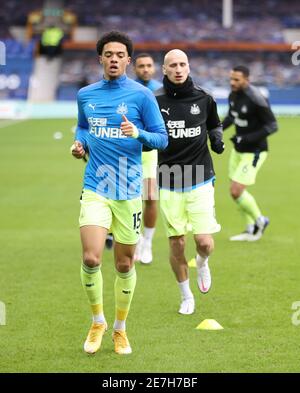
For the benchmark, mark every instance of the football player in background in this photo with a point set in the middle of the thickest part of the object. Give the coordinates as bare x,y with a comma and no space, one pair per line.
254,121
186,173
144,69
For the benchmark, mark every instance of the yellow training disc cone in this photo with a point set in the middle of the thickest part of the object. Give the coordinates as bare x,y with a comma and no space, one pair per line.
192,263
209,324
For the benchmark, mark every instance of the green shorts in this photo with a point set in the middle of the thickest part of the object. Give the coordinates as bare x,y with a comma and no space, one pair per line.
149,163
196,207
243,167
122,218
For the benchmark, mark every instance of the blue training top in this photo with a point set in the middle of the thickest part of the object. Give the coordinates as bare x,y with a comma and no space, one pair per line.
114,167
152,84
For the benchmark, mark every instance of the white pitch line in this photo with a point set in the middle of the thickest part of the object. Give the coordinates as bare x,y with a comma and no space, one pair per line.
8,123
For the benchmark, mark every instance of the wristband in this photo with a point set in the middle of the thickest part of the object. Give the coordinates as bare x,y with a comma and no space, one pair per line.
135,133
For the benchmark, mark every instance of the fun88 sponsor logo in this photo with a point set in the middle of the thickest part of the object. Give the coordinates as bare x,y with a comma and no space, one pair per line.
97,121
98,127
177,129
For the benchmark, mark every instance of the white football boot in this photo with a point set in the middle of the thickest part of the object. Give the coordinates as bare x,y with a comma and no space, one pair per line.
252,234
187,306
260,226
245,236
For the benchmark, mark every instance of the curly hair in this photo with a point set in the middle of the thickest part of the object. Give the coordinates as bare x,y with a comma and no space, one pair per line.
115,36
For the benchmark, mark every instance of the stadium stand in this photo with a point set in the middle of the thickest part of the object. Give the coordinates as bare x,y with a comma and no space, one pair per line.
157,27
14,76
210,69
194,20
15,13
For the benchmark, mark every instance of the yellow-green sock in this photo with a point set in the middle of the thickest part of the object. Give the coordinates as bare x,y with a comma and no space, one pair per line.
248,205
124,289
248,219
92,282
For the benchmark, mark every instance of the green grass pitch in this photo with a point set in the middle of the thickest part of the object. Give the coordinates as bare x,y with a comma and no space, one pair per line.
47,315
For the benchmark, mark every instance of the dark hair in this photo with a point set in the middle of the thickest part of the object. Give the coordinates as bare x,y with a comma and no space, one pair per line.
243,69
140,55
115,36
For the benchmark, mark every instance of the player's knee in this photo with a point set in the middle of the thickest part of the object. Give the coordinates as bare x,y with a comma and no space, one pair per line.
124,265
177,245
90,259
205,245
235,191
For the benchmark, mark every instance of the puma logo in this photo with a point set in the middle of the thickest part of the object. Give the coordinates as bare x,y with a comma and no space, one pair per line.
166,111
93,106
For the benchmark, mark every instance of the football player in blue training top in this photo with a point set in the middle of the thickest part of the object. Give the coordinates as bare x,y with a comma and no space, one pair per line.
116,117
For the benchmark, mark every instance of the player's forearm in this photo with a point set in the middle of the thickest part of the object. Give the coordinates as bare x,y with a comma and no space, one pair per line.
216,133
267,119
154,140
81,135
271,127
216,139
256,136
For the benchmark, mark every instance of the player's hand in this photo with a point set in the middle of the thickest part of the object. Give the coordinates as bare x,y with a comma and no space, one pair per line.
77,150
217,145
128,128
